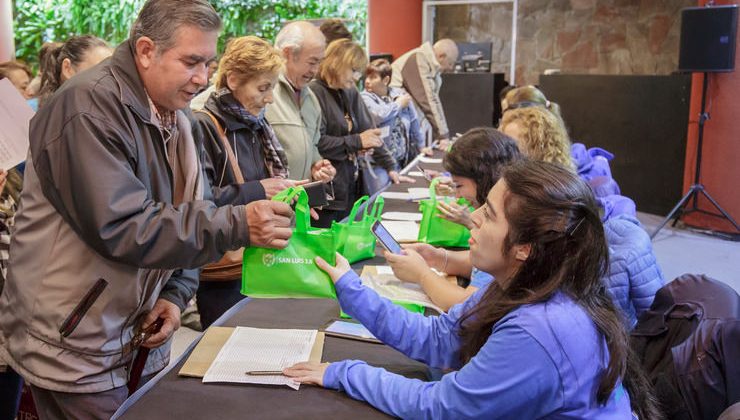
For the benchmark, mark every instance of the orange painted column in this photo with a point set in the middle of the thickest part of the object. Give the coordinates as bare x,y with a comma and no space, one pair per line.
720,166
394,26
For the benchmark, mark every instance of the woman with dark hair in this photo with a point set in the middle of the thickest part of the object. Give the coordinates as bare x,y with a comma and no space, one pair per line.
475,162
543,341
66,59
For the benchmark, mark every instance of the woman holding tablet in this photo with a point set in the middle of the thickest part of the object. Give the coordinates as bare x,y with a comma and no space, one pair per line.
475,162
542,341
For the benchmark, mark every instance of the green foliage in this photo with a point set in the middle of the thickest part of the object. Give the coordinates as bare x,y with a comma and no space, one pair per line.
39,21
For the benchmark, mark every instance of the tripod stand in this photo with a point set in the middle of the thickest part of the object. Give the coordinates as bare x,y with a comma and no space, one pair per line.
697,188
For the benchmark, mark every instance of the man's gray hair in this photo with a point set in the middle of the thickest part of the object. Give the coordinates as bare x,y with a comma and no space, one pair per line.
291,36
159,19
295,34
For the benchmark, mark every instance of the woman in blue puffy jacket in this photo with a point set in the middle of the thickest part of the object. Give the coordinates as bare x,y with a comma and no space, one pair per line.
533,344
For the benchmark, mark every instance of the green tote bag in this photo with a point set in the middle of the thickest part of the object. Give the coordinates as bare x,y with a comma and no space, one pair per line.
291,272
435,230
354,239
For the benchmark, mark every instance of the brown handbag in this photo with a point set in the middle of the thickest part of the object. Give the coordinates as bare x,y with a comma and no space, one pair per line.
229,267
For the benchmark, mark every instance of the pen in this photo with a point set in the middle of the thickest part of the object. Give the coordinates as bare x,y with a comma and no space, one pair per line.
264,372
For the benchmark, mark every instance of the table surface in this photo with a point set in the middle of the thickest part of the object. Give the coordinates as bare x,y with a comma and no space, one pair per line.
172,396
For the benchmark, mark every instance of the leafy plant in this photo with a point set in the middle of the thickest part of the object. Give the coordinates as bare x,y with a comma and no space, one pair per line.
39,21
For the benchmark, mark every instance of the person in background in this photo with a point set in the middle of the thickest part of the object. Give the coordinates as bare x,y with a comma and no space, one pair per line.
76,54
634,275
539,133
592,164
391,110
475,162
334,29
116,201
542,341
35,85
347,130
295,114
235,114
419,72
19,75
10,382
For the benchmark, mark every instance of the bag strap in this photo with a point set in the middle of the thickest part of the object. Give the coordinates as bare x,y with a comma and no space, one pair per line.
376,210
227,147
433,189
356,208
302,211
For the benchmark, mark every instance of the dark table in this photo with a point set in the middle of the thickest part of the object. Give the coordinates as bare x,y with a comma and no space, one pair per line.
188,398
171,396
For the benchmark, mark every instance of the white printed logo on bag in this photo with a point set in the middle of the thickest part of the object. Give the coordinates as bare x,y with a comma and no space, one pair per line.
270,259
364,245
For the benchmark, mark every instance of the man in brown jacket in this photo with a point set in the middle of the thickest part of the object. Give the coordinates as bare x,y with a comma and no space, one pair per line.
419,71
114,216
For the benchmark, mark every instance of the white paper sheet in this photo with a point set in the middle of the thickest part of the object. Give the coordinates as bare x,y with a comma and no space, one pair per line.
392,288
392,195
418,174
417,193
251,349
402,231
402,216
426,159
15,115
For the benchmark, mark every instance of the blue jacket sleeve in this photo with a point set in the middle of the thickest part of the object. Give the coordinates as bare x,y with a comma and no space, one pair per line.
512,376
382,113
432,340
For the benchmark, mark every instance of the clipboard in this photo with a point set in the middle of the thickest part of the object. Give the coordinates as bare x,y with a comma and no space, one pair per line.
213,340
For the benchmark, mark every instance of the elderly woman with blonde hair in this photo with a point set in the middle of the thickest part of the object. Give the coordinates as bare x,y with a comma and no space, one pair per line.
539,133
244,160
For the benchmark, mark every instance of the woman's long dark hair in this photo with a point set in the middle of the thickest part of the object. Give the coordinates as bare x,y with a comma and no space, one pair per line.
74,49
552,209
480,154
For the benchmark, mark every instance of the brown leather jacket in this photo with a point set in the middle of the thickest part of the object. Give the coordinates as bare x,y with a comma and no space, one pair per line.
99,203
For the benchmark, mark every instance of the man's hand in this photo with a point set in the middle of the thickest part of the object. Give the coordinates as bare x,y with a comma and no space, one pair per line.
269,223
170,313
273,186
371,138
323,171
307,372
397,179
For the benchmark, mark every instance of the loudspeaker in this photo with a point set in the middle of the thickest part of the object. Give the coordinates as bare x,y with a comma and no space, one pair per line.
708,39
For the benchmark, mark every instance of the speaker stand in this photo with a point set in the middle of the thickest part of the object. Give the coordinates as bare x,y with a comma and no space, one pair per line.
697,188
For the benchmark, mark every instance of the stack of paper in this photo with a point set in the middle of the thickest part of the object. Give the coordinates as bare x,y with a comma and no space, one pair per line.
394,195
402,216
255,349
15,115
426,159
402,231
390,287
418,193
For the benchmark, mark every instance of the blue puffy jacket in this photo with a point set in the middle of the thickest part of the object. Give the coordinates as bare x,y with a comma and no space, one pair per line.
634,275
